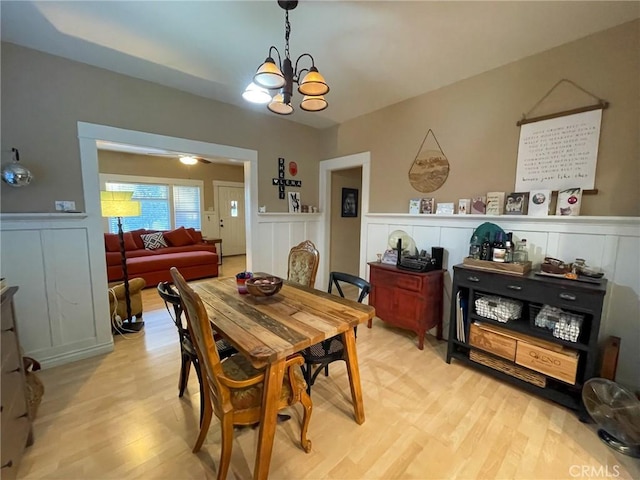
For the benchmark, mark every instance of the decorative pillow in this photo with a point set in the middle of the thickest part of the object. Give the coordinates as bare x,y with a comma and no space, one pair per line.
178,237
112,242
136,236
195,234
153,241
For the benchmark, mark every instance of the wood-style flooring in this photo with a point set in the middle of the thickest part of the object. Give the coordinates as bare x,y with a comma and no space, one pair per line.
118,416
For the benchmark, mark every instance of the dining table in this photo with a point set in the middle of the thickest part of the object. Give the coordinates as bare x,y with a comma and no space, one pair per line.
267,330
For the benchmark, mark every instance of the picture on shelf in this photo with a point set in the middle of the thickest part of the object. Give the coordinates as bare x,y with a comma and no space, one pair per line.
569,201
517,203
294,202
414,206
539,203
495,203
479,205
464,206
349,202
427,205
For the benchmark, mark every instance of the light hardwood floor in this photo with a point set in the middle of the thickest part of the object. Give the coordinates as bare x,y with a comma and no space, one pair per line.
119,416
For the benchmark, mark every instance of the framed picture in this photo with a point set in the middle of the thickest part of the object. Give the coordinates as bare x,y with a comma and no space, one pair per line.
294,202
349,202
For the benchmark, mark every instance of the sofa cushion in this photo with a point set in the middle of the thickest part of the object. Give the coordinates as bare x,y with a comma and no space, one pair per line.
112,242
195,234
138,239
140,265
153,241
178,237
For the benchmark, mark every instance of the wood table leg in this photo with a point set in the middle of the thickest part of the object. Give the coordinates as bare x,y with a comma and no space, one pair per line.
268,419
349,340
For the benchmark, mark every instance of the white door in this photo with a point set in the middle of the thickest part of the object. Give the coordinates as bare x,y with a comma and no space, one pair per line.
232,227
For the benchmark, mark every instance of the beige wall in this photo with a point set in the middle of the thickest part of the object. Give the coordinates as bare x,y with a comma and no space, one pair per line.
44,96
475,123
345,231
170,167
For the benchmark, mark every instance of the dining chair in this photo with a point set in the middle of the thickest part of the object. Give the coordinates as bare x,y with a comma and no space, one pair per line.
188,353
318,357
303,264
234,388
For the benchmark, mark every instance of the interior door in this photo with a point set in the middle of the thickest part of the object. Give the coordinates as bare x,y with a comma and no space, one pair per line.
232,225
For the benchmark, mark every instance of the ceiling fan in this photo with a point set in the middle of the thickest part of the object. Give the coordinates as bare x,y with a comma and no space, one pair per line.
185,158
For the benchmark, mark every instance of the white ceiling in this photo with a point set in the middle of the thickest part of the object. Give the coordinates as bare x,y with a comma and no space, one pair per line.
372,53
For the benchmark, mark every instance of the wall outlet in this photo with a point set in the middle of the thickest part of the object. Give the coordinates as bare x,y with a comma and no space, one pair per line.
65,205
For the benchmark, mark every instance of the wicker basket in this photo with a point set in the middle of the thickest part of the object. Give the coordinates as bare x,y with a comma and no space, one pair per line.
498,308
508,368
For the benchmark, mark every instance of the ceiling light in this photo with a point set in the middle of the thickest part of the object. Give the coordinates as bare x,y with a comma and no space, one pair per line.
188,160
282,75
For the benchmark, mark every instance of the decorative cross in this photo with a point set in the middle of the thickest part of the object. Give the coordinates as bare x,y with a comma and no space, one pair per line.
282,182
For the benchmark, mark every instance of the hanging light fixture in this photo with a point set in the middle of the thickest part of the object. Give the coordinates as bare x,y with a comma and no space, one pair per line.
188,160
282,76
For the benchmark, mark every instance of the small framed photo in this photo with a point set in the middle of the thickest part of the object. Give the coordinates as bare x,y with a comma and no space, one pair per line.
295,205
349,202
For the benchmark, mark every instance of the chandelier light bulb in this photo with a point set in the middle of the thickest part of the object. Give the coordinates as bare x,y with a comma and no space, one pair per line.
256,94
313,103
188,160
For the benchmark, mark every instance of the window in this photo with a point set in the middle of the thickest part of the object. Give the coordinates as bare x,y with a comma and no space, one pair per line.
164,203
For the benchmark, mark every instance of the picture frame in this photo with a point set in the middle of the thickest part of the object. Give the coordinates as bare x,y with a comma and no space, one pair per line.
349,202
295,204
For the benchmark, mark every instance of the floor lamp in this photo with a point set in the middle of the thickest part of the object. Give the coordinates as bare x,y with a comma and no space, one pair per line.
119,204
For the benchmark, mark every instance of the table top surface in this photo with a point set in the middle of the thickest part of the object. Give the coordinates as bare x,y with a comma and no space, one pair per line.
268,329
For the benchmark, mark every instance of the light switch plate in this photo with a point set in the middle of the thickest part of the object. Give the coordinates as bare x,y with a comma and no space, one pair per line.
65,205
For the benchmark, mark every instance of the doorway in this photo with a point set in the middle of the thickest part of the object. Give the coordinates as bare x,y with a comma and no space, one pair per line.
229,198
344,246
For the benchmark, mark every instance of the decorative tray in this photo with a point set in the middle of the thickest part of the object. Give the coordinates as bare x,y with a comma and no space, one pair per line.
581,278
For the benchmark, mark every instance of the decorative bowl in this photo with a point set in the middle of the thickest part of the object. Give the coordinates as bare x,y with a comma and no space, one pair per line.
264,286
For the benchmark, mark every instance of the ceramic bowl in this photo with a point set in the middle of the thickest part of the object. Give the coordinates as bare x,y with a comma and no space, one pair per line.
263,286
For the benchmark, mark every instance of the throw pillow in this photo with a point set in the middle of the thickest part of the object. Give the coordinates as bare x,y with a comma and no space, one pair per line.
153,241
111,242
178,237
195,234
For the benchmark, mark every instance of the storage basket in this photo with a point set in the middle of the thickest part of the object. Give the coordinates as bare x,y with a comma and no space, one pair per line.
564,325
498,308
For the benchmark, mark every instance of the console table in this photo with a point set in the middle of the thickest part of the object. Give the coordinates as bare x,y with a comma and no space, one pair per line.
406,299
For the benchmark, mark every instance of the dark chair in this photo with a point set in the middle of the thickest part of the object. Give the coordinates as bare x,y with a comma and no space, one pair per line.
322,354
187,351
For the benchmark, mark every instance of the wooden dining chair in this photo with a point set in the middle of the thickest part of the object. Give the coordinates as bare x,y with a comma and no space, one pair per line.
188,355
303,264
318,357
233,388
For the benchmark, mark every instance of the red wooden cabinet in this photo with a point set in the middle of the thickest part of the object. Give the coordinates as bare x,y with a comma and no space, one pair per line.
406,299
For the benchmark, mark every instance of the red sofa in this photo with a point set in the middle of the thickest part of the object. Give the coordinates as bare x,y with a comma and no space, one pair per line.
185,250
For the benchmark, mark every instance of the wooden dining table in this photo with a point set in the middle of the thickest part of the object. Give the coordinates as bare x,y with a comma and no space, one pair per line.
267,330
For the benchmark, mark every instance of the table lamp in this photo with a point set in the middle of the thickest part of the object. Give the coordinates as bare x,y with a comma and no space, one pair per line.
119,204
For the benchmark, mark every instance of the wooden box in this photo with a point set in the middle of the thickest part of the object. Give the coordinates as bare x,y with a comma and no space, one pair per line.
562,364
512,268
492,341
508,368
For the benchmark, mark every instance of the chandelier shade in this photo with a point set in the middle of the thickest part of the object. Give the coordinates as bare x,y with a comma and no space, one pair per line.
280,76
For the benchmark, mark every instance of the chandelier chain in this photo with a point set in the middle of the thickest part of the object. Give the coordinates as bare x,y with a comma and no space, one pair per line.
287,31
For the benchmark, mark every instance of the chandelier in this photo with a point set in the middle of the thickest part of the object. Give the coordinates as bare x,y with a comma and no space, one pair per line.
279,78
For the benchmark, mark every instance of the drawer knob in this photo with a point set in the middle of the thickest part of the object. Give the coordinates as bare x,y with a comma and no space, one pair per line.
568,296
8,464
473,279
514,287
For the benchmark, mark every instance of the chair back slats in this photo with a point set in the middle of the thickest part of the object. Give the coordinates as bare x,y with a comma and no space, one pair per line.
202,336
303,264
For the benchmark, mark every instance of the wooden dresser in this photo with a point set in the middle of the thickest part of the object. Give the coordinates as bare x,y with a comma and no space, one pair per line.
17,432
406,299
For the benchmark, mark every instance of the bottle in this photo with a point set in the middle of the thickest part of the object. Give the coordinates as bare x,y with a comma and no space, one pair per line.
475,247
485,249
521,253
508,245
498,250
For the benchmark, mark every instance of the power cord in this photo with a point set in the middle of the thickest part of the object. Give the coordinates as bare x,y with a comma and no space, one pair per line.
116,320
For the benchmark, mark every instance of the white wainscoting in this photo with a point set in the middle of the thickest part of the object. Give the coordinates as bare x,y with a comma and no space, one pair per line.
611,243
277,233
61,309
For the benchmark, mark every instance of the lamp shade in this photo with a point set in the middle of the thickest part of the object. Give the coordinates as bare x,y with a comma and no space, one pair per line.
269,75
313,103
256,94
313,83
119,204
278,106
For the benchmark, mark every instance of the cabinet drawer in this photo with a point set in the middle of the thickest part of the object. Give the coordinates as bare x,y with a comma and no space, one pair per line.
561,365
570,299
398,280
493,342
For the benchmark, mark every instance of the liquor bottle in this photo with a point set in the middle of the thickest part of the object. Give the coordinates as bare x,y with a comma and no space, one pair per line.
521,253
475,247
498,250
485,250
